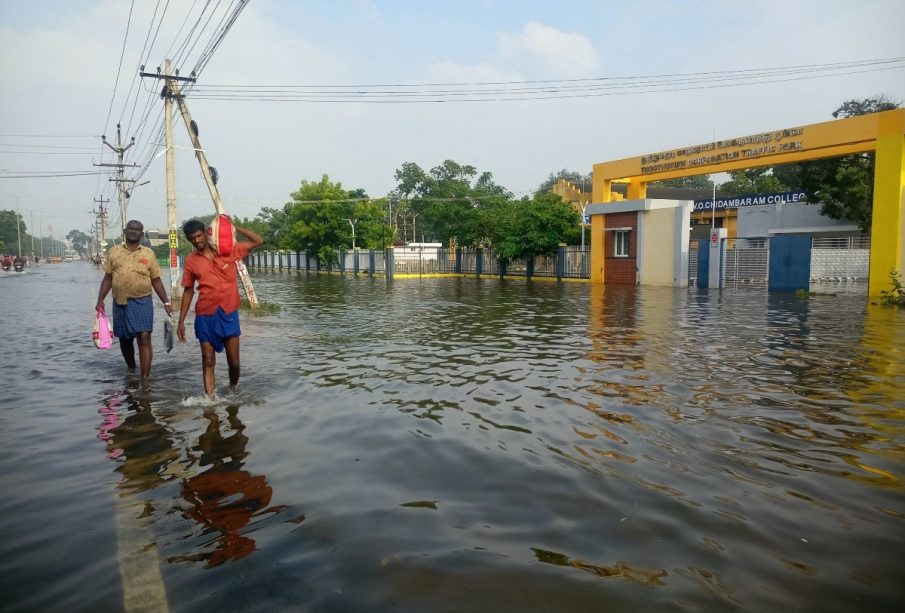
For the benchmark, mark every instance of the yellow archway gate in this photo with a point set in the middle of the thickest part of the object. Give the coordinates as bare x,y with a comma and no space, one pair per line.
883,133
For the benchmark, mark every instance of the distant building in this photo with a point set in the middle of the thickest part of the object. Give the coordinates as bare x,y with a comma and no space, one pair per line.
773,219
417,251
157,237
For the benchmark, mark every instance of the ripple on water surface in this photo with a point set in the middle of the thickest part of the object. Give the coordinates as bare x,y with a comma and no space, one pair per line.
455,444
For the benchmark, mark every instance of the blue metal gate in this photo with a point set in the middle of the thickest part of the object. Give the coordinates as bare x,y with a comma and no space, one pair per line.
703,263
790,263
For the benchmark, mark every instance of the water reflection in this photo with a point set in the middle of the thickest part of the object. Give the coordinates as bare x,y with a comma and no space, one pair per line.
142,446
223,499
216,491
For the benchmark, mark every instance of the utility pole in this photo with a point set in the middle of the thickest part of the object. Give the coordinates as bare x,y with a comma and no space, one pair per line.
172,91
32,235
120,179
101,213
390,222
19,225
170,87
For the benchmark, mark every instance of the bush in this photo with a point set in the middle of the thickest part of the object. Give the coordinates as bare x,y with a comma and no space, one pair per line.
896,295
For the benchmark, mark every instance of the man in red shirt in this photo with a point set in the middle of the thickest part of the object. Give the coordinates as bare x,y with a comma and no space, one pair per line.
217,310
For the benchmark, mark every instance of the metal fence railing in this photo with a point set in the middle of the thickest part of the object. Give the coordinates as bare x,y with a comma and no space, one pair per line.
746,262
693,264
571,262
842,258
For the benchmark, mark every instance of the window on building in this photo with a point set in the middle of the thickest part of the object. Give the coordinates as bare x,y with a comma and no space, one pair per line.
621,238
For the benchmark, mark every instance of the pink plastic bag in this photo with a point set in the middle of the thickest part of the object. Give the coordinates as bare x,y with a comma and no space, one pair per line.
103,331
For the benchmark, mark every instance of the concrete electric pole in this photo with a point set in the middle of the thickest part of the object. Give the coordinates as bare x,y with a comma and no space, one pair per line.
120,178
101,214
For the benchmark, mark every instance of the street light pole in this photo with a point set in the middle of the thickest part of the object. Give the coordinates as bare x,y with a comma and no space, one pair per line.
19,224
352,223
32,234
713,202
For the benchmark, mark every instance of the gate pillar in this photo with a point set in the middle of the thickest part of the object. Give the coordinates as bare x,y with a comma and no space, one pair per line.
887,233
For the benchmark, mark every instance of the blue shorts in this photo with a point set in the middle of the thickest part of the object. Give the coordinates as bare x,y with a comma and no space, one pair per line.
215,328
132,318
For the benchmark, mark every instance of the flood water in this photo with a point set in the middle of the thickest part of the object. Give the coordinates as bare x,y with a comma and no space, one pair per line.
458,445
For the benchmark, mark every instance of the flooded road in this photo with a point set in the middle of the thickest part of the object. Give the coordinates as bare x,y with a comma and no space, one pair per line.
458,445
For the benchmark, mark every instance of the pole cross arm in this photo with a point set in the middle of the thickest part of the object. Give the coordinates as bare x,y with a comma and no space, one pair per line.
166,76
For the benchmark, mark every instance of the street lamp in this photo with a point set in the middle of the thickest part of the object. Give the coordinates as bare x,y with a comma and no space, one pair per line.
129,191
352,223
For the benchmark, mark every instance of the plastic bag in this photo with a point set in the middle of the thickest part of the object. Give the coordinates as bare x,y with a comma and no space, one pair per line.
103,331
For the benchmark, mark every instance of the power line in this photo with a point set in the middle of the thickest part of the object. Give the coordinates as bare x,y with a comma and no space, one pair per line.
45,146
540,96
119,67
91,136
182,47
135,80
528,90
47,152
154,40
314,90
50,175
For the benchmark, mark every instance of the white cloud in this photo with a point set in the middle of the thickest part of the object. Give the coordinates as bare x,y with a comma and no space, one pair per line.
550,51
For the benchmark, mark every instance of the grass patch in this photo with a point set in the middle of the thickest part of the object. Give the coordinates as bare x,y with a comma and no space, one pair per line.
263,308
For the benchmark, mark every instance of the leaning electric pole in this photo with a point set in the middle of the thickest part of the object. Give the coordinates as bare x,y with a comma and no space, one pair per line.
171,92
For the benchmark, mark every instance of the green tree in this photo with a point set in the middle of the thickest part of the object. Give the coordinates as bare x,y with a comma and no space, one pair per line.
752,181
79,241
844,185
317,220
450,201
9,239
583,181
371,227
537,226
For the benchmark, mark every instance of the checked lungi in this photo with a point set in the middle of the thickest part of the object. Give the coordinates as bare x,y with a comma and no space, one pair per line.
137,315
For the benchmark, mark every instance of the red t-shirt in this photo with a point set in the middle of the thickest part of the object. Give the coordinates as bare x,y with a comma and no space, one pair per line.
217,284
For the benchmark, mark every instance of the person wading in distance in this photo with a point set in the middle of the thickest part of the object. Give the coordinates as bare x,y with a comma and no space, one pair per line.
217,309
131,270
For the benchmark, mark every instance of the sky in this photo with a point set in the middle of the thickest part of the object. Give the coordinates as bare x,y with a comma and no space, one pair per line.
70,74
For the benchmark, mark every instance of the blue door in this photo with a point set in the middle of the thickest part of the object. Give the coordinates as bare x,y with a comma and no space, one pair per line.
703,263
790,263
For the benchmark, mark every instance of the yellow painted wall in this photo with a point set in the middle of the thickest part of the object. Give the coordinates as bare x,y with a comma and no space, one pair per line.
825,139
887,236
659,246
597,254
